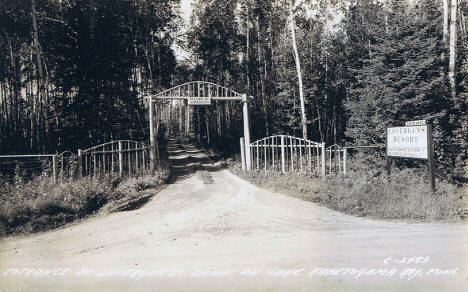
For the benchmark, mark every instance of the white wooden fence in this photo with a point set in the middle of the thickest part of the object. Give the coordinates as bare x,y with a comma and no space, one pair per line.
336,159
286,154
124,157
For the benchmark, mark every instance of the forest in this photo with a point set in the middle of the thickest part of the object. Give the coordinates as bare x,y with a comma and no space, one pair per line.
73,73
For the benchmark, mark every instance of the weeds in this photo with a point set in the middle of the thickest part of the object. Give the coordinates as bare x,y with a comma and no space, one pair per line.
42,204
369,191
404,194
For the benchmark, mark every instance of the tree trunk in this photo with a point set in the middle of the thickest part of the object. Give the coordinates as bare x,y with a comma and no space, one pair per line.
446,18
16,91
299,73
453,45
247,57
261,64
41,88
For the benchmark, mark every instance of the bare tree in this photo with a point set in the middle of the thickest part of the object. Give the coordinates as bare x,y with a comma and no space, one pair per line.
299,73
41,91
453,45
446,18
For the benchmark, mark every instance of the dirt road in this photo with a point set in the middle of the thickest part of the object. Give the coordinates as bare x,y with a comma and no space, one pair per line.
233,236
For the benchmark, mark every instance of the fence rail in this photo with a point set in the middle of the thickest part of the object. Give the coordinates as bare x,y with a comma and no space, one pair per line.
32,164
125,157
336,159
287,154
66,164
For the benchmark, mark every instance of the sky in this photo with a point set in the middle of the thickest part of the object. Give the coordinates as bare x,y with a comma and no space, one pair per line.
186,9
185,12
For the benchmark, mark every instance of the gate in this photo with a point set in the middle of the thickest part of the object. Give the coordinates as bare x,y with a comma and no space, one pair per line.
198,93
336,159
286,154
124,157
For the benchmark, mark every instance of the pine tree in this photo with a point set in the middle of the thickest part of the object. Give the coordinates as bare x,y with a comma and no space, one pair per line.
401,77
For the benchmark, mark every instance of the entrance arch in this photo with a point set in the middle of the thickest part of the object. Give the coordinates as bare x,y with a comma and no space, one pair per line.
196,93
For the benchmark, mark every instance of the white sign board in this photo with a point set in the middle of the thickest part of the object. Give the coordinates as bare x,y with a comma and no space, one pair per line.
409,142
199,101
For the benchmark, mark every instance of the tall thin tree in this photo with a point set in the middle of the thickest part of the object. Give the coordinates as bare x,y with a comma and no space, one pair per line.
453,46
299,72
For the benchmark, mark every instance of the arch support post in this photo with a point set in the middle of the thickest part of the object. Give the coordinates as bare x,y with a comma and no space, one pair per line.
242,148
187,117
324,152
152,141
245,110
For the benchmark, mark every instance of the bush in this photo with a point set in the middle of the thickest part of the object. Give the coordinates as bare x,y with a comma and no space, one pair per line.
42,204
367,190
137,184
404,194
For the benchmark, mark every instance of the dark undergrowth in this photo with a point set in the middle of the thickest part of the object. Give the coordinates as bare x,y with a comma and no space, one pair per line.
369,191
41,204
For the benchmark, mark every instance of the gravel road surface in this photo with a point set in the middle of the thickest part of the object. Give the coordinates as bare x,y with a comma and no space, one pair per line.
232,236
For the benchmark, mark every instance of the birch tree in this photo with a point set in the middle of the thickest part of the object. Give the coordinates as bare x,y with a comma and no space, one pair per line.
446,18
299,72
452,46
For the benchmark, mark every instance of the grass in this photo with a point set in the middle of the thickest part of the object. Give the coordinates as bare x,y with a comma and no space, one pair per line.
41,204
369,192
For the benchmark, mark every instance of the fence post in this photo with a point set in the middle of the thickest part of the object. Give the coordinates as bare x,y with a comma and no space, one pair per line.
112,157
136,158
345,154
300,154
129,157
104,160
339,160
152,140
120,159
242,145
158,155
273,145
283,165
80,162
187,117
430,149
62,166
258,154
143,158
54,167
94,164
323,158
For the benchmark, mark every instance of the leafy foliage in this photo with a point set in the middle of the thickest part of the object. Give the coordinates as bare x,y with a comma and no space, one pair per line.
366,66
41,204
367,191
98,57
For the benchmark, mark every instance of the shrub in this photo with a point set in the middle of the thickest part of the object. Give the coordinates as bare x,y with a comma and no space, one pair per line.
40,203
367,190
404,194
136,184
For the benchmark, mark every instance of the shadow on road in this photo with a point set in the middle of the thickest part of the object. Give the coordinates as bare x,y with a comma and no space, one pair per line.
186,159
